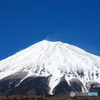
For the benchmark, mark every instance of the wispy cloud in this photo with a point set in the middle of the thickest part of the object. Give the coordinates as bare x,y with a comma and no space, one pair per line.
58,36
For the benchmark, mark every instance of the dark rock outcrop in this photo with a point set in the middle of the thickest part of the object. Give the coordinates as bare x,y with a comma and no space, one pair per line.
76,84
93,87
11,81
63,87
32,85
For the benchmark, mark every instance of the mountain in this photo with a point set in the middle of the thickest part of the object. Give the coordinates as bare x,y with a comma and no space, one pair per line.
50,68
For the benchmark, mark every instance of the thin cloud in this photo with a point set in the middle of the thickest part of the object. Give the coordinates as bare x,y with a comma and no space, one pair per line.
58,36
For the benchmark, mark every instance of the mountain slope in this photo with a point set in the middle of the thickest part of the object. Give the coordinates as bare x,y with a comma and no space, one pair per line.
54,59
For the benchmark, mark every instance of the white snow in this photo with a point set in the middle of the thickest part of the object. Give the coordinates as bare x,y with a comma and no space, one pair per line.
53,58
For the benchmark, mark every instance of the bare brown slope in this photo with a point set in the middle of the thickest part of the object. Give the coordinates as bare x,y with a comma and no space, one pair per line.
11,81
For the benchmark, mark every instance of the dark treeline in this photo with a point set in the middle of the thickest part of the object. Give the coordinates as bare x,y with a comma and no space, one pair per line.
46,97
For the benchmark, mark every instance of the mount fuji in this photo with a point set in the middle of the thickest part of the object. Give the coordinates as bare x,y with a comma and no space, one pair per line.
50,68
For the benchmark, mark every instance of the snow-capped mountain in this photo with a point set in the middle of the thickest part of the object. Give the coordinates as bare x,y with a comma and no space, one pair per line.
60,62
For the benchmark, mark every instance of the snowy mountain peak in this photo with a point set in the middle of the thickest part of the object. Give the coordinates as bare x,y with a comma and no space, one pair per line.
58,59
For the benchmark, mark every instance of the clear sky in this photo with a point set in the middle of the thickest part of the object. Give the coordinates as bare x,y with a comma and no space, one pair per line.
25,22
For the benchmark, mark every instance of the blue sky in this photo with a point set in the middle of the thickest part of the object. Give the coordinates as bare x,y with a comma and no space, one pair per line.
25,22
